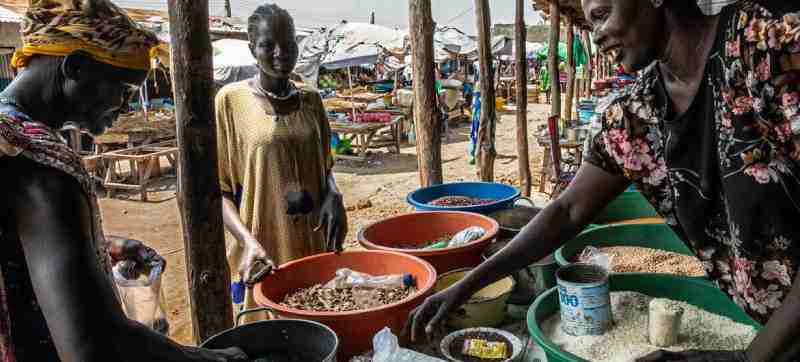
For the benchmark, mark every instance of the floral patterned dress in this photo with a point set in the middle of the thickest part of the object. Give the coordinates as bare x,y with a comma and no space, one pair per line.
24,334
726,174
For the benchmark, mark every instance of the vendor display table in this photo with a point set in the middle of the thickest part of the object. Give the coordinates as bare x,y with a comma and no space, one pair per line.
146,161
573,151
368,135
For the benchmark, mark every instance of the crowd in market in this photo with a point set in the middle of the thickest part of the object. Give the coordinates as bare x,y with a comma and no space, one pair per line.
708,133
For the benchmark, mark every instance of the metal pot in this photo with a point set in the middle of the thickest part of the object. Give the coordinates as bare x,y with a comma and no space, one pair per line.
514,219
303,340
531,280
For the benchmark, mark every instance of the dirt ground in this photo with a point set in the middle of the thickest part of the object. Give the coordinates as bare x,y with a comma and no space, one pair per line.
384,181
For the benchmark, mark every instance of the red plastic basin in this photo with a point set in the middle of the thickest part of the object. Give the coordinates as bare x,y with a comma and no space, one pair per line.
355,329
421,227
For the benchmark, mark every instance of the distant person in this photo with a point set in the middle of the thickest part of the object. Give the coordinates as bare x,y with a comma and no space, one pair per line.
57,298
280,200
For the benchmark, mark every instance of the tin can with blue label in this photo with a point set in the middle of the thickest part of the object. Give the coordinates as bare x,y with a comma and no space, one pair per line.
585,299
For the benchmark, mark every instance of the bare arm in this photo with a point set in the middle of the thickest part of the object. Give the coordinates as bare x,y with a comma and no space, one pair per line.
77,298
233,221
779,341
587,195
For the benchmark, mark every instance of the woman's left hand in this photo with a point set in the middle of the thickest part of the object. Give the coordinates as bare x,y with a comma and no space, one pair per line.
695,356
333,218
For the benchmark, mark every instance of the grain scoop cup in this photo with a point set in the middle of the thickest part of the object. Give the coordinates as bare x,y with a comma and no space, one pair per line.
585,299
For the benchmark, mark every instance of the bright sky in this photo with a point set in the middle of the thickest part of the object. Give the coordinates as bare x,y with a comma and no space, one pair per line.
391,13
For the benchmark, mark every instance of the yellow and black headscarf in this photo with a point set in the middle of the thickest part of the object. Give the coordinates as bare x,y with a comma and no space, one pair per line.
97,27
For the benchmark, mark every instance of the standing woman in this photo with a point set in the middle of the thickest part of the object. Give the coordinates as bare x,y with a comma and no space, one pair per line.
710,134
280,200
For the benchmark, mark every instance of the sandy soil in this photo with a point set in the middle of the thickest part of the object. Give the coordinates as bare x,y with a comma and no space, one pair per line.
384,181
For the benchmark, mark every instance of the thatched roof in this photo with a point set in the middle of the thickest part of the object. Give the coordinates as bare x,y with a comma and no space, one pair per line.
571,8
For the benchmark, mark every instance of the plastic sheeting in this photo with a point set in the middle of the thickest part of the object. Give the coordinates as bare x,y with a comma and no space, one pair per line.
347,45
233,61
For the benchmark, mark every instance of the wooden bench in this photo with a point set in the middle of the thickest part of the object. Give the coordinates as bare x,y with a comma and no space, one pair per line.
146,166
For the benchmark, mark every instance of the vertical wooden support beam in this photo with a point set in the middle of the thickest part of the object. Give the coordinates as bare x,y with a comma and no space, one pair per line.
486,132
522,100
199,199
428,128
568,102
552,57
587,42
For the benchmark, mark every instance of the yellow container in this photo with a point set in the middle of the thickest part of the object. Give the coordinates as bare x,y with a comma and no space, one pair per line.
486,308
499,103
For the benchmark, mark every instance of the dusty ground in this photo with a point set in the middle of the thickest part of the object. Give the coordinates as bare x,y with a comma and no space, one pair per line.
384,181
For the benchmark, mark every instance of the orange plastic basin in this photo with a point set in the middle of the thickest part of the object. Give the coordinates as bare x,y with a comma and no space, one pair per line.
355,329
422,227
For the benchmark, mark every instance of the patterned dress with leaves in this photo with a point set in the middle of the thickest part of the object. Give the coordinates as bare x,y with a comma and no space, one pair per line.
725,174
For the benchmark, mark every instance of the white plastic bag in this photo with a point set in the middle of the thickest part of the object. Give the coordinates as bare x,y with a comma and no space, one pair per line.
592,255
467,236
347,278
387,349
141,294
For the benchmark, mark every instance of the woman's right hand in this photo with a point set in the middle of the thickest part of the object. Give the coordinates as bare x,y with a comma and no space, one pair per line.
429,318
255,264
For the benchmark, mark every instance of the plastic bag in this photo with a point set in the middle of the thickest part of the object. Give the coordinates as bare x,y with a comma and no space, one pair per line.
467,236
592,255
387,349
141,293
347,278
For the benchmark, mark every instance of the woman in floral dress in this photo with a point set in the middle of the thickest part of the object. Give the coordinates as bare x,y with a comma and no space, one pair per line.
710,134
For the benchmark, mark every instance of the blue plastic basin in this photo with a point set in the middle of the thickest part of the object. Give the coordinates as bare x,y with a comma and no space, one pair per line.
504,194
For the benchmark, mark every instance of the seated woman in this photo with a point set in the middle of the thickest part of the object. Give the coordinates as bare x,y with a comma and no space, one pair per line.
57,300
275,159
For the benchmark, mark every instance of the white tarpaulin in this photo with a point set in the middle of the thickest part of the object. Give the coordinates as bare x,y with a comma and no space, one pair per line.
448,41
350,44
233,61
358,43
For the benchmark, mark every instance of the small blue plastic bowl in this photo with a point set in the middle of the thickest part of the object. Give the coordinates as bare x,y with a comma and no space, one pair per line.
505,196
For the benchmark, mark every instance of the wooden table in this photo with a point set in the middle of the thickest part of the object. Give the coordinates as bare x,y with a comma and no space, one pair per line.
573,149
366,135
146,161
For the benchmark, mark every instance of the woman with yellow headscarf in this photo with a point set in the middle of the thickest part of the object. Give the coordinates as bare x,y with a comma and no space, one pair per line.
57,301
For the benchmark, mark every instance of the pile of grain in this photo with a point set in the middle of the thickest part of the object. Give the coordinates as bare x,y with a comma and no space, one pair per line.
629,259
320,299
628,338
460,201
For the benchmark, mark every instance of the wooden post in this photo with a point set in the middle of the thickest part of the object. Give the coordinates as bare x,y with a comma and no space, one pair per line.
568,102
587,44
199,199
486,149
228,11
429,142
555,81
522,101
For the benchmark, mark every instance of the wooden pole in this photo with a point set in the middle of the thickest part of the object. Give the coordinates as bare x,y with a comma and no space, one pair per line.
525,179
587,44
429,142
199,199
555,81
486,149
568,102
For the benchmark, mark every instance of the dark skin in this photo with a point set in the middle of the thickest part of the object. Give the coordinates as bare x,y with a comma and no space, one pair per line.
275,48
53,219
634,34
